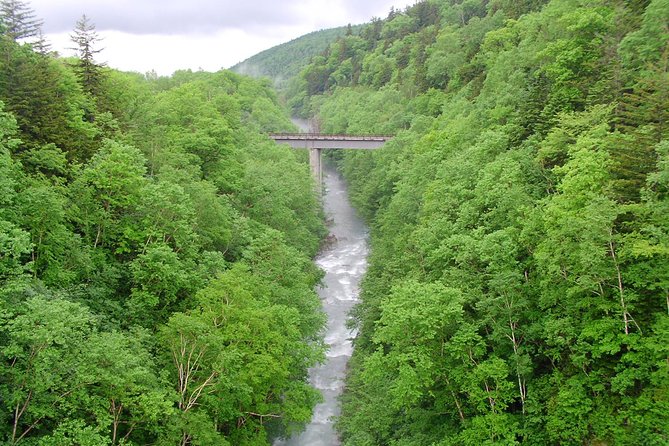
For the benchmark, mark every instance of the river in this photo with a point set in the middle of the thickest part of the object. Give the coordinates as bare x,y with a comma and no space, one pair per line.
344,262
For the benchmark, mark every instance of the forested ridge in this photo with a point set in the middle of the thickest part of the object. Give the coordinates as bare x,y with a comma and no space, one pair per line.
284,62
518,287
156,283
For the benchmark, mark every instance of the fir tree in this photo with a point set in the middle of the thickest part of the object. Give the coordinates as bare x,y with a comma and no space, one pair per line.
18,20
88,70
41,44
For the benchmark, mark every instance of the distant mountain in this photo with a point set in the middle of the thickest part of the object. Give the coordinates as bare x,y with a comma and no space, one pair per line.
284,61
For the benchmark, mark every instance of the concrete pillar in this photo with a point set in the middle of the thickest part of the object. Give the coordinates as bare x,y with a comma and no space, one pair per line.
316,169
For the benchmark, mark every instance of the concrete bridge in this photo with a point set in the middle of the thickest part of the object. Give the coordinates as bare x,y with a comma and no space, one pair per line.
316,142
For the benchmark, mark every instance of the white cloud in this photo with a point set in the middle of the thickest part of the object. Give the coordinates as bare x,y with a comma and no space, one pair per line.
167,53
167,35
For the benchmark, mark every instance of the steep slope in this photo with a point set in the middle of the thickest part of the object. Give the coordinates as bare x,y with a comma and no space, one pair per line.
285,61
517,288
156,283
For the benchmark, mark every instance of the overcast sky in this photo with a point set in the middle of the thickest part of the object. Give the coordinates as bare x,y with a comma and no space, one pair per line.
166,35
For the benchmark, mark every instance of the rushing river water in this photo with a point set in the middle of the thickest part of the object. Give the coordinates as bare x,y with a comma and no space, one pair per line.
344,263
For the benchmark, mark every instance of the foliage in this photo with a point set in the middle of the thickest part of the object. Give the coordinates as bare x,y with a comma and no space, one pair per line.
156,285
517,286
155,276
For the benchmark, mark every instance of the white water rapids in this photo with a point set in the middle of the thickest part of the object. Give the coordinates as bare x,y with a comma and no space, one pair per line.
344,263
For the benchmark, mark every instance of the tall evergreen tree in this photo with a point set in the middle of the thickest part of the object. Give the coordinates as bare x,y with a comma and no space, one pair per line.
41,44
19,20
88,70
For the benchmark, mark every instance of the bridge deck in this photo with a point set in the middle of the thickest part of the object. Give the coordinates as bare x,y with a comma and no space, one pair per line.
322,141
322,136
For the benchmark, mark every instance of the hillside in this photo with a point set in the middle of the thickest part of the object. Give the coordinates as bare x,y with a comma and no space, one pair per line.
156,282
283,62
518,282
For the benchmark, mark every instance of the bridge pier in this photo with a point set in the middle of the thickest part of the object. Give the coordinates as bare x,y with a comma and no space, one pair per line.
315,163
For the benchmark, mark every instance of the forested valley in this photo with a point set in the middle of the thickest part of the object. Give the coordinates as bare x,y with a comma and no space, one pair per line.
156,283
518,287
156,275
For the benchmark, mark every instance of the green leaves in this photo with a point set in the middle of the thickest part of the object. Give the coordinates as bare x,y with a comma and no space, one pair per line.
42,353
241,358
529,192
14,245
416,324
114,252
642,48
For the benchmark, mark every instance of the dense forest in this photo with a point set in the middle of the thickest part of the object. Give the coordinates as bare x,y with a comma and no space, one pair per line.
518,288
156,275
156,283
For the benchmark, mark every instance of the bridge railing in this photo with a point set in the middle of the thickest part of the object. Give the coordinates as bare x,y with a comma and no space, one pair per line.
331,137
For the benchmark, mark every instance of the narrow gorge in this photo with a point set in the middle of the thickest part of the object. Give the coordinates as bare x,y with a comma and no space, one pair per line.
344,261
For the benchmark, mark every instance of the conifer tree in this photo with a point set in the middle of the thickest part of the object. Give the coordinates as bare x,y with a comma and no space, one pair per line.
19,20
88,70
41,44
